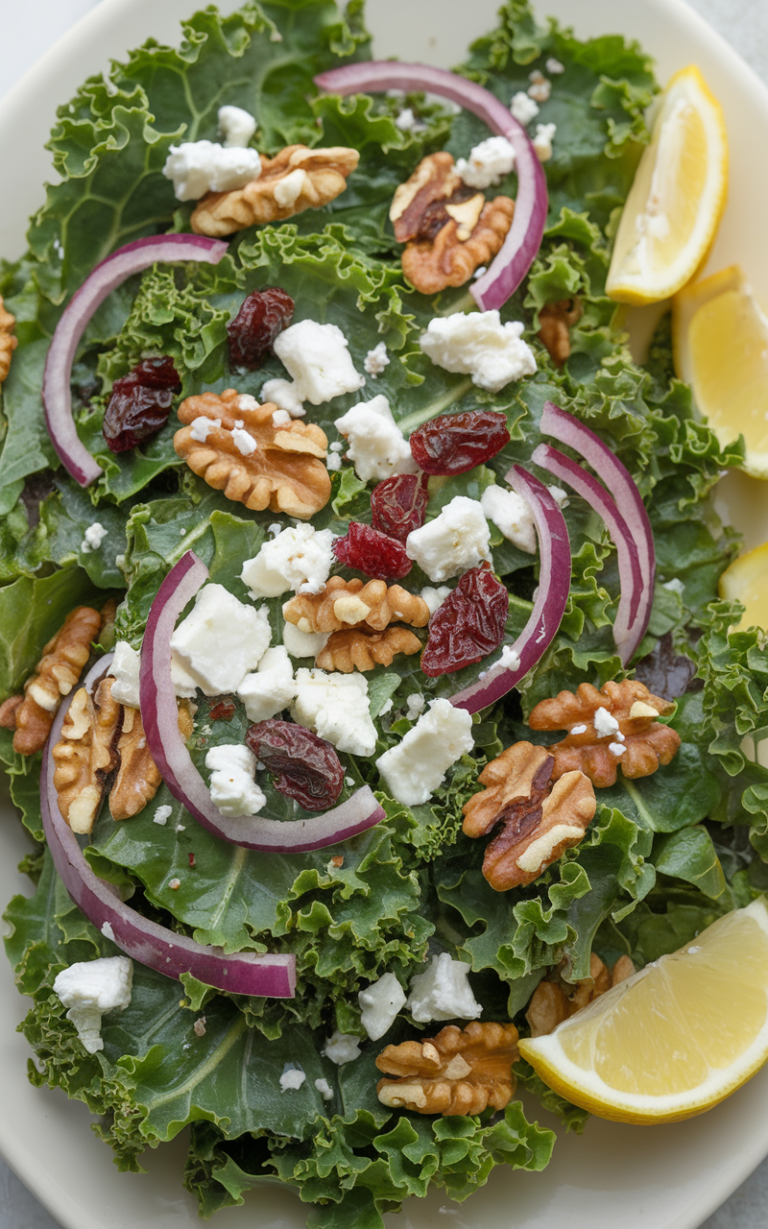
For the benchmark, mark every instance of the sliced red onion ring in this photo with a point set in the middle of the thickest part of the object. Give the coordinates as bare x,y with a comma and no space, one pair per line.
621,485
523,240
630,577
159,714
153,945
110,273
549,606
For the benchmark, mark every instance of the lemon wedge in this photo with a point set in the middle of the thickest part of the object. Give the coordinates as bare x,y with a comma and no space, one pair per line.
720,337
677,197
746,581
675,1038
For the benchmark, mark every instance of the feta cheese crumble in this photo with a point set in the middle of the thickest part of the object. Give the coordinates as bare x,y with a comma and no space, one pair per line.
197,167
523,108
406,121
280,418
303,644
488,163
542,141
457,539
91,988
443,992
376,360
414,705
300,557
333,462
271,688
93,538
554,66
379,1005
674,586
478,344
335,706
605,725
162,815
317,358
292,1078
616,749
540,88
125,667
201,427
512,515
376,445
221,640
416,766
434,598
285,395
324,1088
236,127
341,1047
233,789
244,441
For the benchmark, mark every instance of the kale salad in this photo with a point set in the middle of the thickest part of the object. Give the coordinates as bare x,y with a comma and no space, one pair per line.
322,669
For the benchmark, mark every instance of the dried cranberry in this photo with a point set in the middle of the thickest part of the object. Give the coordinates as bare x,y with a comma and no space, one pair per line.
252,333
399,504
373,553
223,711
140,403
468,626
454,443
306,767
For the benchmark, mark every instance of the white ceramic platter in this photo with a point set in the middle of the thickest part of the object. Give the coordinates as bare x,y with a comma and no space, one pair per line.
669,1177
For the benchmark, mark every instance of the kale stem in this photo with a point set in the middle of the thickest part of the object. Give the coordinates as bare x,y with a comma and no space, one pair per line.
433,408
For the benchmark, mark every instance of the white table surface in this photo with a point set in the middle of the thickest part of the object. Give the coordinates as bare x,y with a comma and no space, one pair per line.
28,30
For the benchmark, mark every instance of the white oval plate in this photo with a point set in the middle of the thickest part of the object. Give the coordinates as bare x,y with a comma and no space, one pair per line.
668,1177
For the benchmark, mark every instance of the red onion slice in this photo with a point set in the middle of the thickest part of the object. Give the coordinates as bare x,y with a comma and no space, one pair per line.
630,577
621,485
153,945
109,274
160,717
523,240
551,599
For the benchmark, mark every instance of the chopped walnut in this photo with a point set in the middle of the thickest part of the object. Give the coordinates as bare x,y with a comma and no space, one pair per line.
244,455
539,820
555,1000
358,649
449,229
8,341
555,321
138,777
460,1071
611,728
296,179
85,754
59,668
345,604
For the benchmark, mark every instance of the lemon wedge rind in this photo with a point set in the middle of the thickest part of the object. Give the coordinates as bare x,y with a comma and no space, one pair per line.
697,1019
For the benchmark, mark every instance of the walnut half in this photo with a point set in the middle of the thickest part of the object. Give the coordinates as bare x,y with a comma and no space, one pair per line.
8,340
538,820
460,1071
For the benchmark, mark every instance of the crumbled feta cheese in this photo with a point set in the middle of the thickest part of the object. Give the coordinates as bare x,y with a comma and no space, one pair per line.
376,360
284,393
406,121
387,707
414,705
303,644
443,992
559,495
539,852
510,658
336,447
512,515
271,688
523,108
488,163
162,815
244,441
554,66
457,539
540,88
233,789
605,724
317,358
480,345
288,189
324,1088
616,748
542,141
246,401
299,556
674,586
280,418
197,167
201,427
274,529
342,1047
90,989
416,766
620,738
125,667
184,683
181,827
292,1078
379,1005
578,729
434,597
108,932
94,536
335,706
333,461
236,127
376,444
221,640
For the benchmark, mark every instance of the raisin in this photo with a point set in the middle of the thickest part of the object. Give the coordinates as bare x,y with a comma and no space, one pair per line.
140,403
306,768
468,626
399,504
252,333
223,711
454,443
373,553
